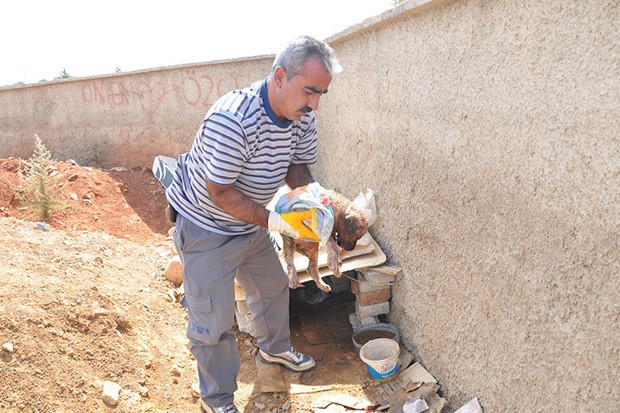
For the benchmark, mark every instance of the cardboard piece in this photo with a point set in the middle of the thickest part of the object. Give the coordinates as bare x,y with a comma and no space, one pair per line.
405,380
427,391
270,378
405,358
361,257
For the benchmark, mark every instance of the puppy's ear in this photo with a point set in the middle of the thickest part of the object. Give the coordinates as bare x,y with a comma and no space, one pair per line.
351,223
356,215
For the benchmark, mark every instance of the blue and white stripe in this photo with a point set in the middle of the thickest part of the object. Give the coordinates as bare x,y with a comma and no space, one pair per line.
241,142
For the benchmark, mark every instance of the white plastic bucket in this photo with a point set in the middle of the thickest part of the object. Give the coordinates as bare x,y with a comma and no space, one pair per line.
381,358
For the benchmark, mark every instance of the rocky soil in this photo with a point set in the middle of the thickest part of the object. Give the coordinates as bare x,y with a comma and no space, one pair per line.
83,302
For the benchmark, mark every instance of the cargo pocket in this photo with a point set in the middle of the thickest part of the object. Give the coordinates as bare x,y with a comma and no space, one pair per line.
202,324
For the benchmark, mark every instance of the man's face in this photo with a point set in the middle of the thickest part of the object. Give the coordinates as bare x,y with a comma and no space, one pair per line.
299,95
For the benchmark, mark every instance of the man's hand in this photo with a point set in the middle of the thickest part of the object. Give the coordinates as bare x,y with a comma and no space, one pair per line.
278,224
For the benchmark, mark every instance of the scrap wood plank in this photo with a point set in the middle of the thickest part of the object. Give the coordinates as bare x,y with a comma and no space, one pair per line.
341,399
303,389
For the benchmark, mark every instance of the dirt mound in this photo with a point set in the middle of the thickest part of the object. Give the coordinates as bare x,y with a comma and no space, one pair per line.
125,203
84,301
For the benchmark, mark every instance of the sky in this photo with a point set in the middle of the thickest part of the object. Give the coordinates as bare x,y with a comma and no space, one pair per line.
41,38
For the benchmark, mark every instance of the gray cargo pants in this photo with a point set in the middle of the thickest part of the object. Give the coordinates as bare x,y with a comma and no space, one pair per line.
211,263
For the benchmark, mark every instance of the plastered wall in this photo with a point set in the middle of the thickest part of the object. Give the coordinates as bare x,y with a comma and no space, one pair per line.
121,119
490,133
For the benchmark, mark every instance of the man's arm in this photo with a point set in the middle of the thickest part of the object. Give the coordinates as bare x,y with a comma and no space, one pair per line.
237,204
298,175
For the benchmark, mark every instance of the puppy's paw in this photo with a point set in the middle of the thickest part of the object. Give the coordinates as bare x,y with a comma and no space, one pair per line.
293,282
323,286
333,263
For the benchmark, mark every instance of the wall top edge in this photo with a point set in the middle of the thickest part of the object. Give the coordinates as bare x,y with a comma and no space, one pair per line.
398,12
140,71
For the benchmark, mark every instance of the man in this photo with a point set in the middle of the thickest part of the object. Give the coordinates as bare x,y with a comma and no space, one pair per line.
250,143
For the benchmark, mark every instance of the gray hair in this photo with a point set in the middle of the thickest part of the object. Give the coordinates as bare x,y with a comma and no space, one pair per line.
297,52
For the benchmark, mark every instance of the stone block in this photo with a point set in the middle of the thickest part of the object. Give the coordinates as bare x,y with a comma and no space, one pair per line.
239,293
111,392
244,319
174,270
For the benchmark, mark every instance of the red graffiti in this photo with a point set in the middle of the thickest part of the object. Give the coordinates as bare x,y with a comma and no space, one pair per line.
194,91
150,96
197,91
113,93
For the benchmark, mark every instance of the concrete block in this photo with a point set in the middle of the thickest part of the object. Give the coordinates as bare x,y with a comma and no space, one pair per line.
376,277
371,310
366,321
357,322
354,320
363,286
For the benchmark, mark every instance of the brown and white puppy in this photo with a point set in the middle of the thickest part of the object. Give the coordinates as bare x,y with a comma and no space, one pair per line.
350,224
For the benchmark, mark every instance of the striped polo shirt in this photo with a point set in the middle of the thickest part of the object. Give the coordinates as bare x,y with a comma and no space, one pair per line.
240,142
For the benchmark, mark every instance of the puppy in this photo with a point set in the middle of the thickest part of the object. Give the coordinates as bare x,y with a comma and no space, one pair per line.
350,224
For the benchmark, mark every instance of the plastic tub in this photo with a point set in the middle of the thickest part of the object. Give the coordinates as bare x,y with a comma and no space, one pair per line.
364,334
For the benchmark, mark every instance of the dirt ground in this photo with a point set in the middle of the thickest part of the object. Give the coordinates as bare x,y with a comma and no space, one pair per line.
83,300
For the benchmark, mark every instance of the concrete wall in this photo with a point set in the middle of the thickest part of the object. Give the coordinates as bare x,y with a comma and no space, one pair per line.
490,131
121,119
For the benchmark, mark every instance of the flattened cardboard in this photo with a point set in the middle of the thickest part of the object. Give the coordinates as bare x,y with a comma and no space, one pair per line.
413,374
270,378
361,257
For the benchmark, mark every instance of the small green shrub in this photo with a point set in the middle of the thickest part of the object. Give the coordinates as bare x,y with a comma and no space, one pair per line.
63,75
39,191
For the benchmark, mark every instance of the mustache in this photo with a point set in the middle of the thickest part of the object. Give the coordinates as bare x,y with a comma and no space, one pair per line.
306,109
